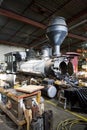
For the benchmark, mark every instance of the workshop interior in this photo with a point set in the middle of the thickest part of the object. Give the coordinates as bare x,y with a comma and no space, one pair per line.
43,62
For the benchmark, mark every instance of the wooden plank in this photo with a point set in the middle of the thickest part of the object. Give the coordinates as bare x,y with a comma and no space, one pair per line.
29,88
16,96
27,95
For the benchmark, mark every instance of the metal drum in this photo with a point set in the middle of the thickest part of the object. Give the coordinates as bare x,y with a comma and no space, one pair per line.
49,91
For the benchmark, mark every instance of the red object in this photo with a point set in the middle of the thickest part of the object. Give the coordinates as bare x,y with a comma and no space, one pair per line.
74,60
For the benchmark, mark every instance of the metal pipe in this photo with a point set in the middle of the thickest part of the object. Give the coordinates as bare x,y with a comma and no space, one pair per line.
78,24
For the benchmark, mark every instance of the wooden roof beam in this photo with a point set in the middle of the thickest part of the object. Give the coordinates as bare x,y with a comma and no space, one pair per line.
32,22
20,18
77,37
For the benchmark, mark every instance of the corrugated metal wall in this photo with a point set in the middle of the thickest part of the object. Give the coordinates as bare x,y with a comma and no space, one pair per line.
6,49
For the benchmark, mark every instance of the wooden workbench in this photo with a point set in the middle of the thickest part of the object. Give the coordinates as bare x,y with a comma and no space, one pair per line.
16,98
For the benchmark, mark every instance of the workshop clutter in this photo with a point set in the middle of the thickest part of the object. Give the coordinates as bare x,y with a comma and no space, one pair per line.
26,109
44,122
36,117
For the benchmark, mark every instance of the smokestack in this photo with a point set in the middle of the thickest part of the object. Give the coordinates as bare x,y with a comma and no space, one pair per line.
57,31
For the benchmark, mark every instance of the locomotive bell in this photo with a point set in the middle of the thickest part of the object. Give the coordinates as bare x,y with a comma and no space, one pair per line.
57,31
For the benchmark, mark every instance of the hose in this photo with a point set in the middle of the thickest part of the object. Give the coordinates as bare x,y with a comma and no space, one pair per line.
69,123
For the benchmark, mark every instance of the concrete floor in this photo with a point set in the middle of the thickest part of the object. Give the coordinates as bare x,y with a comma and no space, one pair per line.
59,114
